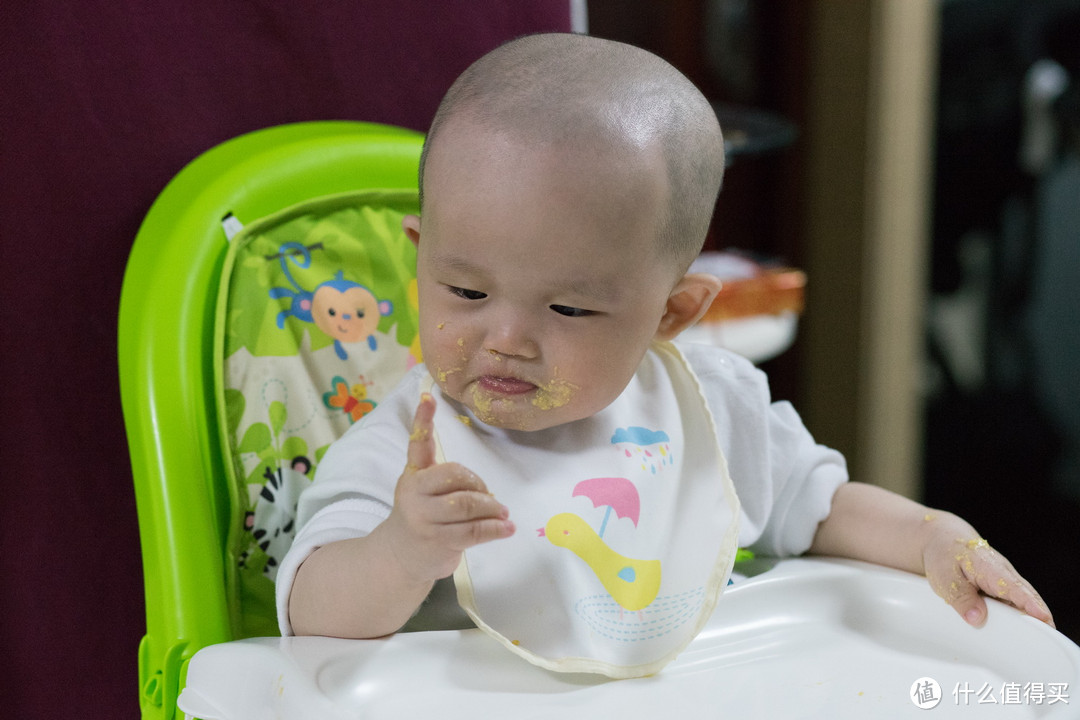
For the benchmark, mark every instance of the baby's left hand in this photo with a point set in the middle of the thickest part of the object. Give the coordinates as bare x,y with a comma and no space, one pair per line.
959,564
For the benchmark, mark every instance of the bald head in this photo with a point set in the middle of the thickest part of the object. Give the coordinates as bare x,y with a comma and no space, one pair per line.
598,99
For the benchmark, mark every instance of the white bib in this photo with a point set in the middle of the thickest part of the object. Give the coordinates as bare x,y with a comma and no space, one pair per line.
627,526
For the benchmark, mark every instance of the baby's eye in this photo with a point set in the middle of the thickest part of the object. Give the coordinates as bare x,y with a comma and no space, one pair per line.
466,293
571,311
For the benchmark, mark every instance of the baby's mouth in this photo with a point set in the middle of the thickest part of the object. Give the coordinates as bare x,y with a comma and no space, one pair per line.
505,385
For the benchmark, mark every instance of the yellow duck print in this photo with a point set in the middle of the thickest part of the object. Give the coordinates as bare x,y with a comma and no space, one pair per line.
633,584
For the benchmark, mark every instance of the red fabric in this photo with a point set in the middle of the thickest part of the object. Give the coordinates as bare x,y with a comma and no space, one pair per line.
102,103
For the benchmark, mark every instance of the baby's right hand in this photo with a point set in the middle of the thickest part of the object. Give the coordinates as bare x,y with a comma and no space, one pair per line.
440,510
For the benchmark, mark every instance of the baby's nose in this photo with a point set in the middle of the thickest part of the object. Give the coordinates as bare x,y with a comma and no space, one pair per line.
512,335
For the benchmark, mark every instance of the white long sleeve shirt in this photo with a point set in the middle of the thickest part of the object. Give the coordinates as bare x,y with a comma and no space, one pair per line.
785,481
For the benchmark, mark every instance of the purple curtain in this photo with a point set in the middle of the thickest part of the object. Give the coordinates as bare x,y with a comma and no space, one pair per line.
101,103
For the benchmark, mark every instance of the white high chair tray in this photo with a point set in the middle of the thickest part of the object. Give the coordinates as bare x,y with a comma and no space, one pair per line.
801,638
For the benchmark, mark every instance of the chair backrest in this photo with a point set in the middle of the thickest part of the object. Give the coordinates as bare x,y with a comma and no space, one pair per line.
241,361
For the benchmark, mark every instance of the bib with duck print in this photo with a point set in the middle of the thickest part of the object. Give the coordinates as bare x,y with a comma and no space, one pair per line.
627,525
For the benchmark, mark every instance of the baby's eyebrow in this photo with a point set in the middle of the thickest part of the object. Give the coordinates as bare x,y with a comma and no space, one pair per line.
455,262
589,288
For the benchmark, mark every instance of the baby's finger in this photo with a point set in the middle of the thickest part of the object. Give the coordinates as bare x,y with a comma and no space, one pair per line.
955,583
1036,608
421,450
991,572
967,601
448,478
468,534
462,507
1018,592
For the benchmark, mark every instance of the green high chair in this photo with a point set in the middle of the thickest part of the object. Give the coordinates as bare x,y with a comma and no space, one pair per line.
234,381
206,450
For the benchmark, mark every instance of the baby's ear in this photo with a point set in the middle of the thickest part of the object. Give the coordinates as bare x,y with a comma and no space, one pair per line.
411,225
687,303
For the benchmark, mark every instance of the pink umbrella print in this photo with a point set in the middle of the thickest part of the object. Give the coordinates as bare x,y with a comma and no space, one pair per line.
618,494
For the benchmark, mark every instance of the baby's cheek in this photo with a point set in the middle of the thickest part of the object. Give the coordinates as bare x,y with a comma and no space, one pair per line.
445,356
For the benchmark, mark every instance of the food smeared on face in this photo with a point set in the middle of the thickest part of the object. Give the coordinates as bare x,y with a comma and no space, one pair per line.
554,394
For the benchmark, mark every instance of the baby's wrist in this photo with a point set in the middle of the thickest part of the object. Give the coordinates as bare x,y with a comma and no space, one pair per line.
405,557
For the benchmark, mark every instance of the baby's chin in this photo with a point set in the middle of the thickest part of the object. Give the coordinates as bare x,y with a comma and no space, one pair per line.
511,416
529,412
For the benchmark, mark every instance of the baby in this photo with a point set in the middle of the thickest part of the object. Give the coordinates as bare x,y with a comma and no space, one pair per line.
567,183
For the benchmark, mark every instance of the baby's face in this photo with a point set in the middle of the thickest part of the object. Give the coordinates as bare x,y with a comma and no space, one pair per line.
539,279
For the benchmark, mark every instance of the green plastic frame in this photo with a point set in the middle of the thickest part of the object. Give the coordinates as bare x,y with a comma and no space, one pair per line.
167,360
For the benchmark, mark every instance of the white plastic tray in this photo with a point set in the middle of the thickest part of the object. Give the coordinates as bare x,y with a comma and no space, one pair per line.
803,638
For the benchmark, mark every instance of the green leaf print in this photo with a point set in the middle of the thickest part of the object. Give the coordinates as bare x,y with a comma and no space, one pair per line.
234,409
256,439
294,446
278,415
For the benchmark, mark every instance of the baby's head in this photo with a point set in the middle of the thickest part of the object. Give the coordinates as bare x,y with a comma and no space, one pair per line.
567,183
607,101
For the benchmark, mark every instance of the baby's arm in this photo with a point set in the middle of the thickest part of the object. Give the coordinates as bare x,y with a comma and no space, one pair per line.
869,523
370,586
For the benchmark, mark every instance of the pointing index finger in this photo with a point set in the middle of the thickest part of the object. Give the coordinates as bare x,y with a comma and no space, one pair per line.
421,451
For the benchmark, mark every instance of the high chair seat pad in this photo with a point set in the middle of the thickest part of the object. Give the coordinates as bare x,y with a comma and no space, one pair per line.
317,324
805,638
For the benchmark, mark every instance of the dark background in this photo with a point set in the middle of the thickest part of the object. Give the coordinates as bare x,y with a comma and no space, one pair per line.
1001,438
104,102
